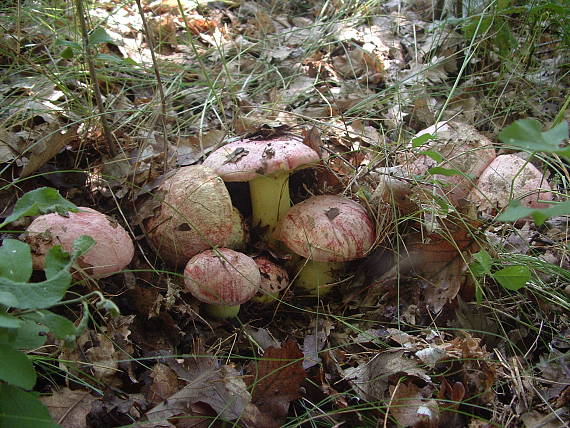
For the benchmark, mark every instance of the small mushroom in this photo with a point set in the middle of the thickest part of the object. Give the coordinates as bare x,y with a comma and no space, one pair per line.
195,214
274,279
266,165
327,231
113,249
223,279
510,177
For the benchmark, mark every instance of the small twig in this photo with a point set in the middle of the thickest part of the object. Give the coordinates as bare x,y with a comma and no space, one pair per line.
150,42
111,146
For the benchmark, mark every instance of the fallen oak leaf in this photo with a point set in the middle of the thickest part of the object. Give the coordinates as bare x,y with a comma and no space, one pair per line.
276,379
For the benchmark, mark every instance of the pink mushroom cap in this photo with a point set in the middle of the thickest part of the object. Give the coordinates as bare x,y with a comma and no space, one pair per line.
327,228
113,249
222,277
273,277
244,160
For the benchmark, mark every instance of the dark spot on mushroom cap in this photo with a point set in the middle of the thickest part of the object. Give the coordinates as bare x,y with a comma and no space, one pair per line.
184,227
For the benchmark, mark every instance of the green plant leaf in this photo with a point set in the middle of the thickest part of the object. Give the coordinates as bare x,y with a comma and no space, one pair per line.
67,53
526,134
516,211
433,155
81,245
29,335
16,368
23,409
99,35
15,260
110,307
448,172
40,201
55,261
61,327
483,263
422,139
9,321
8,299
513,277
38,295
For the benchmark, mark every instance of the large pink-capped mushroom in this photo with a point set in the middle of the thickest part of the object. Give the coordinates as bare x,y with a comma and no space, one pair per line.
222,278
327,231
457,147
266,165
113,249
195,213
510,177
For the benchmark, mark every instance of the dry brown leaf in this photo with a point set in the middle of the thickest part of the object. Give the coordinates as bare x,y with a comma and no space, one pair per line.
410,408
69,408
278,376
164,384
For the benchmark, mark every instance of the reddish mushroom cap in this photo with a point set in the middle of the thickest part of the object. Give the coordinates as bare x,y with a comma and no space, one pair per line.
273,277
222,277
244,160
327,228
506,174
111,253
195,214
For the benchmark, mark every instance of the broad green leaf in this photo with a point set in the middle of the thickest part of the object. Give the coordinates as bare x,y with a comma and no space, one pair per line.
433,154
100,35
421,140
23,409
483,261
16,368
29,335
40,201
448,172
9,321
67,53
15,260
61,327
55,261
81,245
38,295
7,299
526,134
516,211
513,277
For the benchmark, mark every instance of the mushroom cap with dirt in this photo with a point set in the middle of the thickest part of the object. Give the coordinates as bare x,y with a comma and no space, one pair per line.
266,165
192,212
274,279
326,230
459,149
223,279
113,249
507,178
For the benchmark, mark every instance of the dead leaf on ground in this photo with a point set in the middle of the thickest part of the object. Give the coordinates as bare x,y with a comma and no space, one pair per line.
69,408
278,376
410,407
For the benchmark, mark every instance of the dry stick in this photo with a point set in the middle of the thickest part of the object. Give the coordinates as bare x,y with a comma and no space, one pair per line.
111,146
158,81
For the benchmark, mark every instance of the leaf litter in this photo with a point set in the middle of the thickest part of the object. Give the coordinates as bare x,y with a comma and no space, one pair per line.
162,364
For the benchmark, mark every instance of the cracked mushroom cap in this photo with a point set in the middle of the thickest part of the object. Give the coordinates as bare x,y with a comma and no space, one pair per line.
273,277
222,277
195,214
328,228
506,174
113,249
244,160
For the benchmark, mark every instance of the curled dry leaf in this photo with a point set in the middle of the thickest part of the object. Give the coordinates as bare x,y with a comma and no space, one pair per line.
69,408
410,408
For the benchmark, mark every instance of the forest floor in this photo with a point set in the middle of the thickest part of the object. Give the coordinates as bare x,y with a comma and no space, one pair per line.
424,332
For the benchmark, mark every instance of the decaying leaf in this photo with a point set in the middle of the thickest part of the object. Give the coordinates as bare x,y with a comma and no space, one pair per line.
69,408
410,407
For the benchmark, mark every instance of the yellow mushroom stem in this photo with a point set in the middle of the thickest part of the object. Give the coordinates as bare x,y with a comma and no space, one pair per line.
269,200
318,277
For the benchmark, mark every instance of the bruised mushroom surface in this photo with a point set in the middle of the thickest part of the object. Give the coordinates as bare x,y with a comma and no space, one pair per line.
113,249
195,213
222,278
326,230
274,279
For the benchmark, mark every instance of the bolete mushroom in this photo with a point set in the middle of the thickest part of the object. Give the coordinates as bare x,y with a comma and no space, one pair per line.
274,279
327,231
510,177
223,279
459,151
266,165
194,214
113,249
